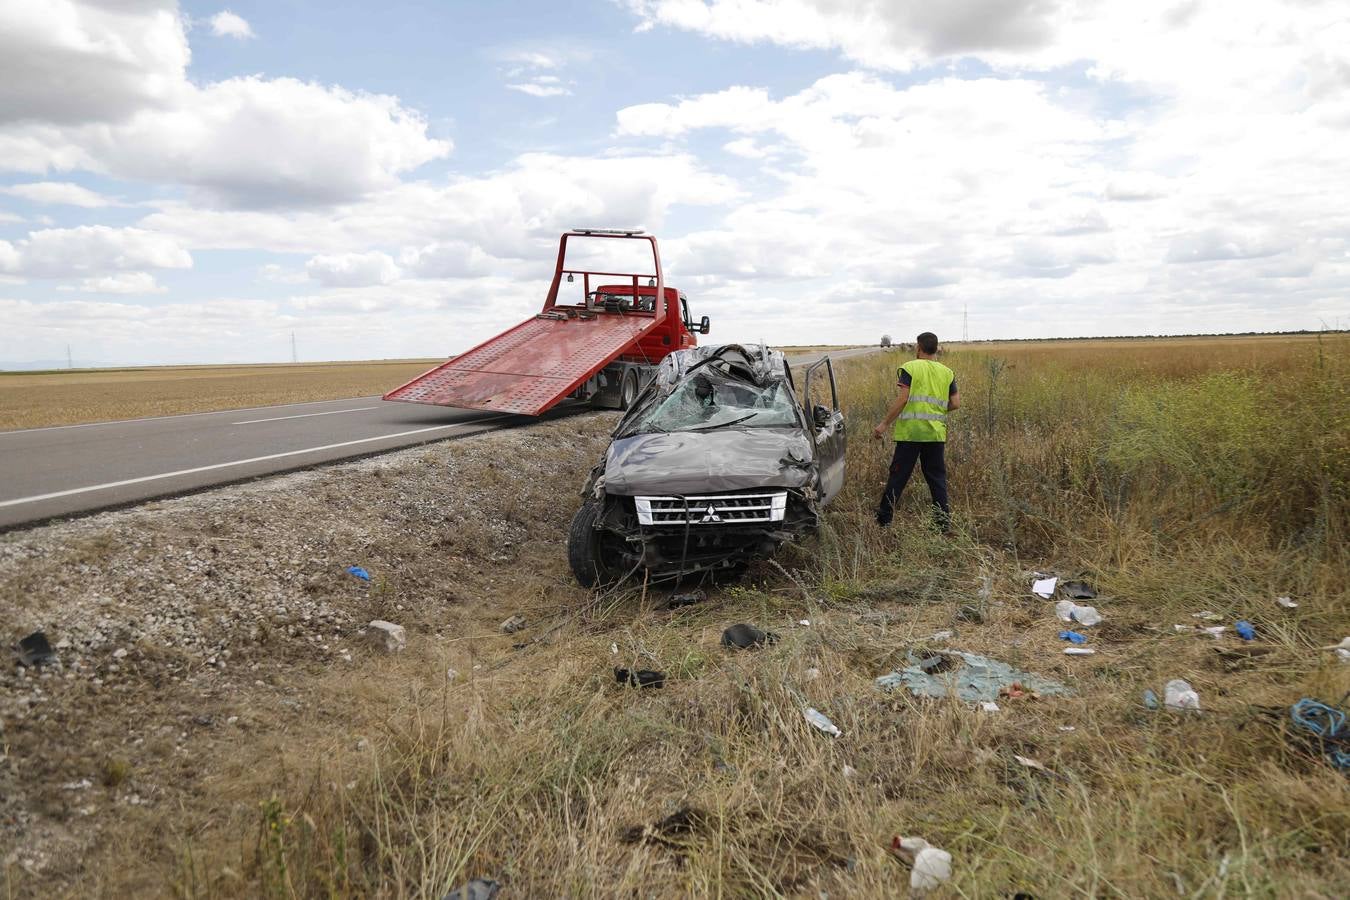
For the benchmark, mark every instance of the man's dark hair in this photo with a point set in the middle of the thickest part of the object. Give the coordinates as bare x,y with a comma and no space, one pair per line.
928,342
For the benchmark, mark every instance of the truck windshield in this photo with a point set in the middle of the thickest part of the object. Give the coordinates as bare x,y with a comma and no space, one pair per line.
708,399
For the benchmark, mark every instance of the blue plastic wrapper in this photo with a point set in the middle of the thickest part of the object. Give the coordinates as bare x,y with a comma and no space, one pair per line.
1245,630
358,572
1073,636
1151,699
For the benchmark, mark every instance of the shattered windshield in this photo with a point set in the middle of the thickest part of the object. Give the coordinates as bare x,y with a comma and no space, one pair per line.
710,399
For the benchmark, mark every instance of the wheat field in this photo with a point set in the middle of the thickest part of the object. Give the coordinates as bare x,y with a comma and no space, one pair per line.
72,397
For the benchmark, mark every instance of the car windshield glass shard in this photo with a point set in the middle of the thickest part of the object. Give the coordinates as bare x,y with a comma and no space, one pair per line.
710,399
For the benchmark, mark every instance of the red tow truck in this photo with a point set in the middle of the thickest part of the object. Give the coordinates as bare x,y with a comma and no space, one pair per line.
602,349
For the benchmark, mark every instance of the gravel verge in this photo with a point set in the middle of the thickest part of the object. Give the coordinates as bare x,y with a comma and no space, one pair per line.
179,620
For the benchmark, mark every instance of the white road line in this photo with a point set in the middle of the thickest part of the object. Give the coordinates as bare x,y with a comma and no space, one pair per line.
238,462
213,412
334,412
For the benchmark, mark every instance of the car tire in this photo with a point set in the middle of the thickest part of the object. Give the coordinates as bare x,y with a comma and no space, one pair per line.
628,389
583,548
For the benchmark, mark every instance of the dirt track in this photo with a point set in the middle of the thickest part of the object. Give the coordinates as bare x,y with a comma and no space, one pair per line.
202,639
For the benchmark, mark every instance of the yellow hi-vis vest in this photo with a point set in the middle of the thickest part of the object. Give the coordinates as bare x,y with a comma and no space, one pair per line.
924,417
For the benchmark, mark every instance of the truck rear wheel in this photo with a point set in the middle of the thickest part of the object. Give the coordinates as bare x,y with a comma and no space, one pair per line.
585,552
628,390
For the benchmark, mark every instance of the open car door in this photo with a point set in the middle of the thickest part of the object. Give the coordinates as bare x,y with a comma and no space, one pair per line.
826,422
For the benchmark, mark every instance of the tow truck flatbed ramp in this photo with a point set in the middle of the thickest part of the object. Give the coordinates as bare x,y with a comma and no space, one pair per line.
531,367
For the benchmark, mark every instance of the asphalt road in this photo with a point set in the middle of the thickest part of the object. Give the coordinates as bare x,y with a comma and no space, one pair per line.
49,473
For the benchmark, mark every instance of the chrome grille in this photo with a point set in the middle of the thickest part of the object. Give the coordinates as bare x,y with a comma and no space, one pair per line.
712,509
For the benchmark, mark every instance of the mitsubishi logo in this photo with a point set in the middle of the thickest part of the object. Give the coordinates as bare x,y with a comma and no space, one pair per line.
710,516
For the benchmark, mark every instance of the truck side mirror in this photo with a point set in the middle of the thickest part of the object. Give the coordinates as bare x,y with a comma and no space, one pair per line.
704,325
821,416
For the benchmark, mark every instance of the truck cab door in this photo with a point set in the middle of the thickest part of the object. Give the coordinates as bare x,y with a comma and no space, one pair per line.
821,399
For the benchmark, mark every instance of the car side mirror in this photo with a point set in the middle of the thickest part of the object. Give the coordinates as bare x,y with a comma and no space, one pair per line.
704,325
821,416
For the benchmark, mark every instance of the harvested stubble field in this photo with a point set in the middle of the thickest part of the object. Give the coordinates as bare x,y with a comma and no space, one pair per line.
235,751
41,399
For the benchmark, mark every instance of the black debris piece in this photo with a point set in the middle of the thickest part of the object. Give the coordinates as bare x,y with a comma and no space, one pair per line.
1078,590
747,637
640,677
478,889
681,823
689,599
35,650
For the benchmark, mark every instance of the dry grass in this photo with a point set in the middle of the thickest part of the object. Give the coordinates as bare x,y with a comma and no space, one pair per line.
530,771
39,399
1155,474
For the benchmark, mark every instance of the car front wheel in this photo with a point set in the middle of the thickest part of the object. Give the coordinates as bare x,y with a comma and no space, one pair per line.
585,549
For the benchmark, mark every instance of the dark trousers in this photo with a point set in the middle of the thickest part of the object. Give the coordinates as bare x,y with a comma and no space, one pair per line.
929,455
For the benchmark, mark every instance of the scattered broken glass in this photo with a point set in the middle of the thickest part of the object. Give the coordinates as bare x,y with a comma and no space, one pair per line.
972,678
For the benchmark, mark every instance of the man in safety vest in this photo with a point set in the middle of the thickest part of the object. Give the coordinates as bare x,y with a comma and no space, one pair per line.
927,393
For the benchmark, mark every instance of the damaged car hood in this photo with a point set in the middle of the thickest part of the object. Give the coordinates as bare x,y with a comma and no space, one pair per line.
686,462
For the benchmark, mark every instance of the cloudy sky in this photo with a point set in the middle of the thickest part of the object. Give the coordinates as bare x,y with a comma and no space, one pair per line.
185,182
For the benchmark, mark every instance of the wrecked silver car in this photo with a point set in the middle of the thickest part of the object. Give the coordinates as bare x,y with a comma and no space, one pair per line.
716,462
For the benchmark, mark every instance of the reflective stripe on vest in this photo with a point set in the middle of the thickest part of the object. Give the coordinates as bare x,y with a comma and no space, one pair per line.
924,398
928,417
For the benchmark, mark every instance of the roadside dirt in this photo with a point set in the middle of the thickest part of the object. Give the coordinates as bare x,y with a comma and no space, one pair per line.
207,643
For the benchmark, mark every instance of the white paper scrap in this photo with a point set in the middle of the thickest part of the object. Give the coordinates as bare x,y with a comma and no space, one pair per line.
1044,587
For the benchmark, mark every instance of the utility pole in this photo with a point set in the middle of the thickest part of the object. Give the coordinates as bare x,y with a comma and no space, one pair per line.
70,361
965,324
294,358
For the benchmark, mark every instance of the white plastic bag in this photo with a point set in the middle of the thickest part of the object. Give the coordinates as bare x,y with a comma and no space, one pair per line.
821,721
1178,694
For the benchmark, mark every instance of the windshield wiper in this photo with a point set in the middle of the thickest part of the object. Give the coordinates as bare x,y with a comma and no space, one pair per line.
725,424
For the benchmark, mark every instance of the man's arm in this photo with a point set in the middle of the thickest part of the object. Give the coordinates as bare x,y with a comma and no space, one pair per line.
954,400
900,400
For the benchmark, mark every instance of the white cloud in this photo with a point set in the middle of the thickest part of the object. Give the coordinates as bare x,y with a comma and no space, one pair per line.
256,142
1155,43
1011,195
533,59
452,259
1213,244
227,24
122,283
90,249
68,62
57,193
747,148
102,87
541,86
279,274
535,72
515,213
226,329
353,269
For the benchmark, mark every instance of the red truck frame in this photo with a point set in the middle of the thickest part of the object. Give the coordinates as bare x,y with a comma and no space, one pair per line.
602,350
